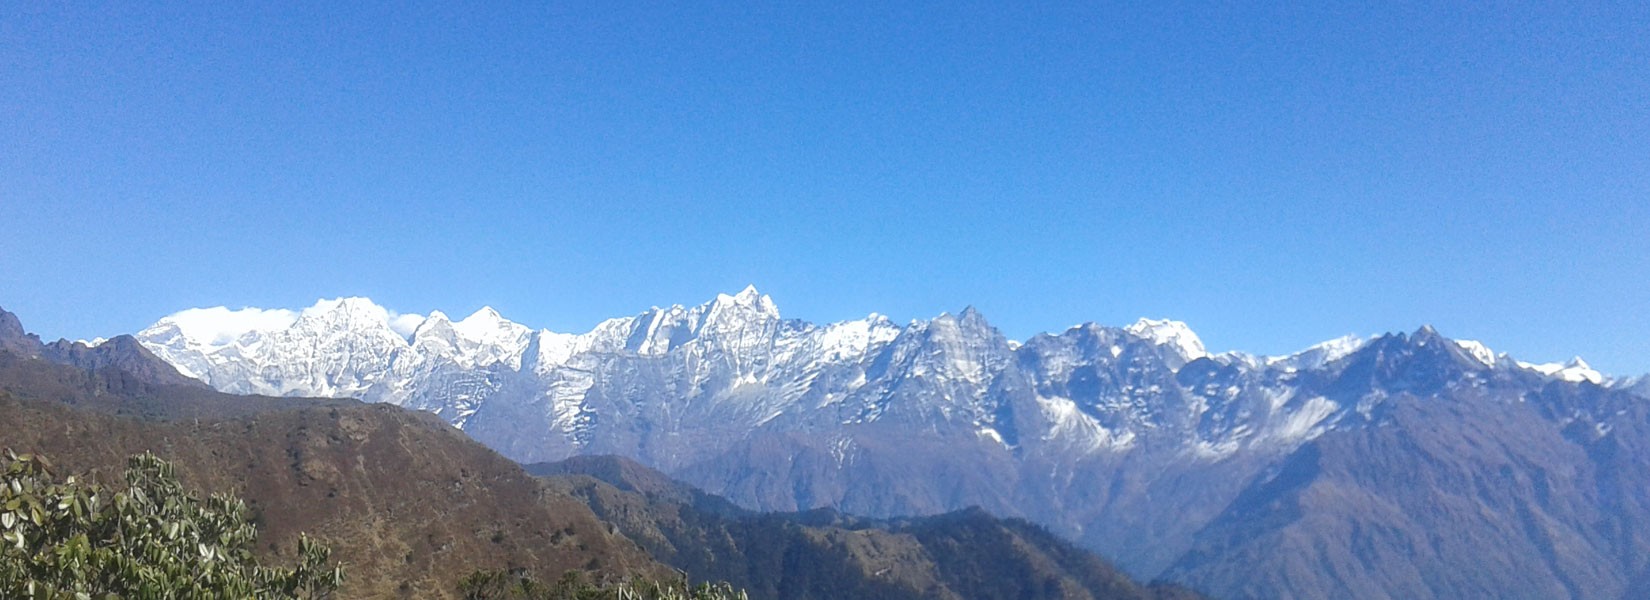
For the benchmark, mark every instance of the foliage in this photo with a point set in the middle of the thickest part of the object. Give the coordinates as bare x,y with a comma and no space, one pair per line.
76,540
497,585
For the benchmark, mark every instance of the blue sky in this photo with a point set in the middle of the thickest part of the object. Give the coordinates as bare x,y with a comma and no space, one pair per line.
1274,176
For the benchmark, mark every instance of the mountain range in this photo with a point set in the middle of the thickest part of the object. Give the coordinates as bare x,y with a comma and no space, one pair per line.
412,506
1399,466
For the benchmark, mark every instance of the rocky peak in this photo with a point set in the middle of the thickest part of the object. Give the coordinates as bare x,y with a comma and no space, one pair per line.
963,347
1574,370
1423,362
725,318
436,334
10,326
486,327
850,340
346,318
121,352
436,322
351,310
1174,337
1639,385
1321,353
483,323
13,338
659,330
748,305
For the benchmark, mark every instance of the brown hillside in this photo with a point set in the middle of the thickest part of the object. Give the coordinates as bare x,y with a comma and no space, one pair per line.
408,504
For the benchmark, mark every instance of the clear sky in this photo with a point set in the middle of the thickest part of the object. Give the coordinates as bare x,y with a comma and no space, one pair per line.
1273,176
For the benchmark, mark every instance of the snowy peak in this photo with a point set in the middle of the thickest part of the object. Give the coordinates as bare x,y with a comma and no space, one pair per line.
353,314
854,339
1173,335
437,321
547,349
1478,351
1321,353
350,308
970,319
356,316
748,303
950,348
486,324
1574,370
967,322
485,313
435,334
660,330
747,295
723,319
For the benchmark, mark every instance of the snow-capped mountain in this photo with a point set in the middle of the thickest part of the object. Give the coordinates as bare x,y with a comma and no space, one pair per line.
1098,432
348,347
736,361
733,360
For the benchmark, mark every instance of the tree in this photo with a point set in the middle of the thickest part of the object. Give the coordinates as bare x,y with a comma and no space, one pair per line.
76,540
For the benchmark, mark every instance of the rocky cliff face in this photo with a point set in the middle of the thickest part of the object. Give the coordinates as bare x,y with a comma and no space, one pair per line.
1134,440
123,353
14,339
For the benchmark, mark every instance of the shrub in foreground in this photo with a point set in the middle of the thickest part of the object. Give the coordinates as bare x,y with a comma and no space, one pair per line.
75,540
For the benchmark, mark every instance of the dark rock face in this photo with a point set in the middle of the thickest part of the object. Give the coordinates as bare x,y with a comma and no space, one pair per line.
14,339
122,353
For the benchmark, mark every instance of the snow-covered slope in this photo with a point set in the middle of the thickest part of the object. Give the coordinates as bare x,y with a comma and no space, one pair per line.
733,360
346,347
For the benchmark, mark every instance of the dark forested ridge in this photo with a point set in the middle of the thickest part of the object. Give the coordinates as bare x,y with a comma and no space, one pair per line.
825,554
